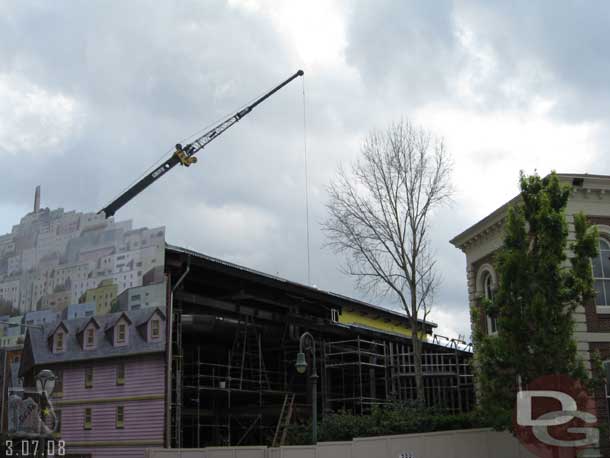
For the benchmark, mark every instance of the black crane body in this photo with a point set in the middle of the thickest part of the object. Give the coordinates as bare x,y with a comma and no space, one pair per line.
186,155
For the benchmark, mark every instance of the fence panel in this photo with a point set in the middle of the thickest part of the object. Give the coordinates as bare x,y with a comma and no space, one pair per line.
369,447
474,443
298,451
334,450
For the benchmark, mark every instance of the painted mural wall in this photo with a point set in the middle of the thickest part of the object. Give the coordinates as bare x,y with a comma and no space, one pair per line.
65,265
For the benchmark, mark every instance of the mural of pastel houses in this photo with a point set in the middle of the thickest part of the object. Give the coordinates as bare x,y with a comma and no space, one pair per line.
3,324
54,258
152,295
109,394
13,332
40,317
103,296
82,310
57,301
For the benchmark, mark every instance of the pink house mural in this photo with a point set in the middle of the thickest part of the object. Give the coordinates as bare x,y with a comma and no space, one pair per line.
110,392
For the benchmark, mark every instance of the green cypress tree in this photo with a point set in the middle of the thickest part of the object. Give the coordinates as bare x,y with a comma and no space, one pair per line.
537,293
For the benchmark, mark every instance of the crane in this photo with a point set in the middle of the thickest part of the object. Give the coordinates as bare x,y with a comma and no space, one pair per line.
185,155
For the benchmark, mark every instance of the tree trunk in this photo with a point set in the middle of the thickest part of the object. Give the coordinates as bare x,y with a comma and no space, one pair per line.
417,359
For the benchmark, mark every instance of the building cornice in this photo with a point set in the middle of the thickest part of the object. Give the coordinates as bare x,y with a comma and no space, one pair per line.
489,225
597,186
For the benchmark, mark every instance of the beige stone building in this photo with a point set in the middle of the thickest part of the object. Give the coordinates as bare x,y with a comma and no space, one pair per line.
591,195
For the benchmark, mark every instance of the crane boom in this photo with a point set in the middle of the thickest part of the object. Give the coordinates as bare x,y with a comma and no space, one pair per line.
185,155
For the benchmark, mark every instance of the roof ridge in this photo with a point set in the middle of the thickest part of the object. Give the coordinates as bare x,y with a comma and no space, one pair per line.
291,282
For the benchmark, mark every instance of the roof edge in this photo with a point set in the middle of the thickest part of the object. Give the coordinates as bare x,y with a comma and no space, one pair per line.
312,289
497,215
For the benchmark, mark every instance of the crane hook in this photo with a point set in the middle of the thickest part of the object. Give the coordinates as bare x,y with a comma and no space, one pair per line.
183,156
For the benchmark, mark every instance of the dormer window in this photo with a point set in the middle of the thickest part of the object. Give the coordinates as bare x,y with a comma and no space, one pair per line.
155,329
118,329
121,337
58,338
90,338
59,342
151,328
87,334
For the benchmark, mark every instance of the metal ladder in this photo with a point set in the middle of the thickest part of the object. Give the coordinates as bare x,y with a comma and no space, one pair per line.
284,420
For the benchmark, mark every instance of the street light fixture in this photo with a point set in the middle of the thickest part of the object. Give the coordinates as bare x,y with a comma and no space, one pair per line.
301,364
308,343
45,382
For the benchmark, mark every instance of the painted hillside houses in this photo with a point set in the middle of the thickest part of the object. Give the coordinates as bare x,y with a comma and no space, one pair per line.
590,195
110,389
54,259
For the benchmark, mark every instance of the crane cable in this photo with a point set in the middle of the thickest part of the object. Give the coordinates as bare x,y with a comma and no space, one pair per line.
306,183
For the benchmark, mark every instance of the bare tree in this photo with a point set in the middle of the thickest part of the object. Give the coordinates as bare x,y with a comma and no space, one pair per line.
379,216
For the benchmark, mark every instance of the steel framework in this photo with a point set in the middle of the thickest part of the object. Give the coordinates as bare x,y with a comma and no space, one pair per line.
242,400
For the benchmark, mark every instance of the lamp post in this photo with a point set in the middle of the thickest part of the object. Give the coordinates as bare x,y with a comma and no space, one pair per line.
45,384
301,367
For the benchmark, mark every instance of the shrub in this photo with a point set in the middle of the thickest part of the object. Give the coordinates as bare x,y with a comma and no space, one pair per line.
381,421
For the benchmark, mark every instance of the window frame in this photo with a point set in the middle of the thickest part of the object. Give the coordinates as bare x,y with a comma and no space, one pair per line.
90,333
334,315
88,418
488,294
604,279
155,322
120,417
606,370
57,421
121,326
88,377
120,374
58,391
60,341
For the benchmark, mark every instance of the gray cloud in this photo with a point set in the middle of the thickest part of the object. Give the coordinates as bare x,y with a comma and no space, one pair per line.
562,47
93,94
544,49
404,47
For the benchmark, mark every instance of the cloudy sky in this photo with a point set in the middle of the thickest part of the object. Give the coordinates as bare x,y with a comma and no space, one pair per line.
93,93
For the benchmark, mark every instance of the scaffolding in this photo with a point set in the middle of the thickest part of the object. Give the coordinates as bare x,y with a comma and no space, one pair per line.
356,374
241,387
362,373
447,373
234,402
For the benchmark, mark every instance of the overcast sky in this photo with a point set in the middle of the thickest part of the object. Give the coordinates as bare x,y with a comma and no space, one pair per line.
93,93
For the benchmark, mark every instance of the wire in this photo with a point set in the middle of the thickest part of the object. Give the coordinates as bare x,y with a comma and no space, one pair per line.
226,116
207,127
306,183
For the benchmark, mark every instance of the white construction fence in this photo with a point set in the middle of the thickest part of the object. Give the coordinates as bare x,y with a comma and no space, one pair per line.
471,443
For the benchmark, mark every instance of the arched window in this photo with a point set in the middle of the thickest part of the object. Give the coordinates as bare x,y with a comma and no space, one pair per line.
488,293
488,286
601,273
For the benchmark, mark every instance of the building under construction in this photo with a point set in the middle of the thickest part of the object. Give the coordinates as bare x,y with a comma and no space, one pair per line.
232,333
234,340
